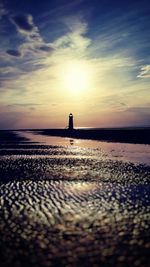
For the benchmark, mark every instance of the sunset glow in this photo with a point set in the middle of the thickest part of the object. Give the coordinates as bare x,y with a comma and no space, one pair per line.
76,77
58,60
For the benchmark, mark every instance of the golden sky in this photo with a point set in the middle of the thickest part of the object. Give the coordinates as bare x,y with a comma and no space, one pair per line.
83,69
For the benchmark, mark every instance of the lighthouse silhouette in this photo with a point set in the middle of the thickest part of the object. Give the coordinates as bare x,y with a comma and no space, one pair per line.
70,127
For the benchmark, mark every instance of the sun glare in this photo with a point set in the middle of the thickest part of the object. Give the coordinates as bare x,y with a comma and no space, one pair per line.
76,76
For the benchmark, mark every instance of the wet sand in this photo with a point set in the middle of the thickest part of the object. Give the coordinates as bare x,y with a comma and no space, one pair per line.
73,203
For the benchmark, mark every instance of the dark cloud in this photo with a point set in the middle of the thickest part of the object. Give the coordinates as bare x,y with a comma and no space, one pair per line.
14,53
46,48
23,22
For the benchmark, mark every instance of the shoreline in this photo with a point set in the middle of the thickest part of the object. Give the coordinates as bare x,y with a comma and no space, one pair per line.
135,136
117,135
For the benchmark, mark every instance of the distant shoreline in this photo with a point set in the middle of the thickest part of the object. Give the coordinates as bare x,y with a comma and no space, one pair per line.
136,136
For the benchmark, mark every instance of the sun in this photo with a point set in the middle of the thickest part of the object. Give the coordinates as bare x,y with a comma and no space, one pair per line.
76,76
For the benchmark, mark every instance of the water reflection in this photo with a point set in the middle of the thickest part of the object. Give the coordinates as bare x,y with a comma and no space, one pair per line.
137,153
71,142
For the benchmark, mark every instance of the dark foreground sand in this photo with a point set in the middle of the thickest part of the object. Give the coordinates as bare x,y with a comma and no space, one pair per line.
71,206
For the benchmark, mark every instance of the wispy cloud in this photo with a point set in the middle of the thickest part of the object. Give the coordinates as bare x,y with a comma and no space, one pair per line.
33,42
33,68
24,24
44,72
3,10
145,72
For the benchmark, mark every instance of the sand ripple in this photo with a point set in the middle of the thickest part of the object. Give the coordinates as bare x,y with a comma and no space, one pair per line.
69,207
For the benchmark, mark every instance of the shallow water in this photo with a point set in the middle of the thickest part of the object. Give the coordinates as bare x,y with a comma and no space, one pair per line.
137,153
74,203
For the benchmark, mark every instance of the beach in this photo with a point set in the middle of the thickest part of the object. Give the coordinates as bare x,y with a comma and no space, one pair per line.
66,201
133,135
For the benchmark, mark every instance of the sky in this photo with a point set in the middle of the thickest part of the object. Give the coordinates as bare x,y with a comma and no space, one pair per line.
90,58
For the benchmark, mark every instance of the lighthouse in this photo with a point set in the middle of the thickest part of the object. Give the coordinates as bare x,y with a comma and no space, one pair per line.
70,127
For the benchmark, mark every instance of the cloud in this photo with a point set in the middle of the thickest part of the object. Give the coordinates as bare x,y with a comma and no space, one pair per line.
23,22
24,104
14,53
113,101
36,70
75,39
3,11
33,43
139,110
11,77
145,72
25,25
45,48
